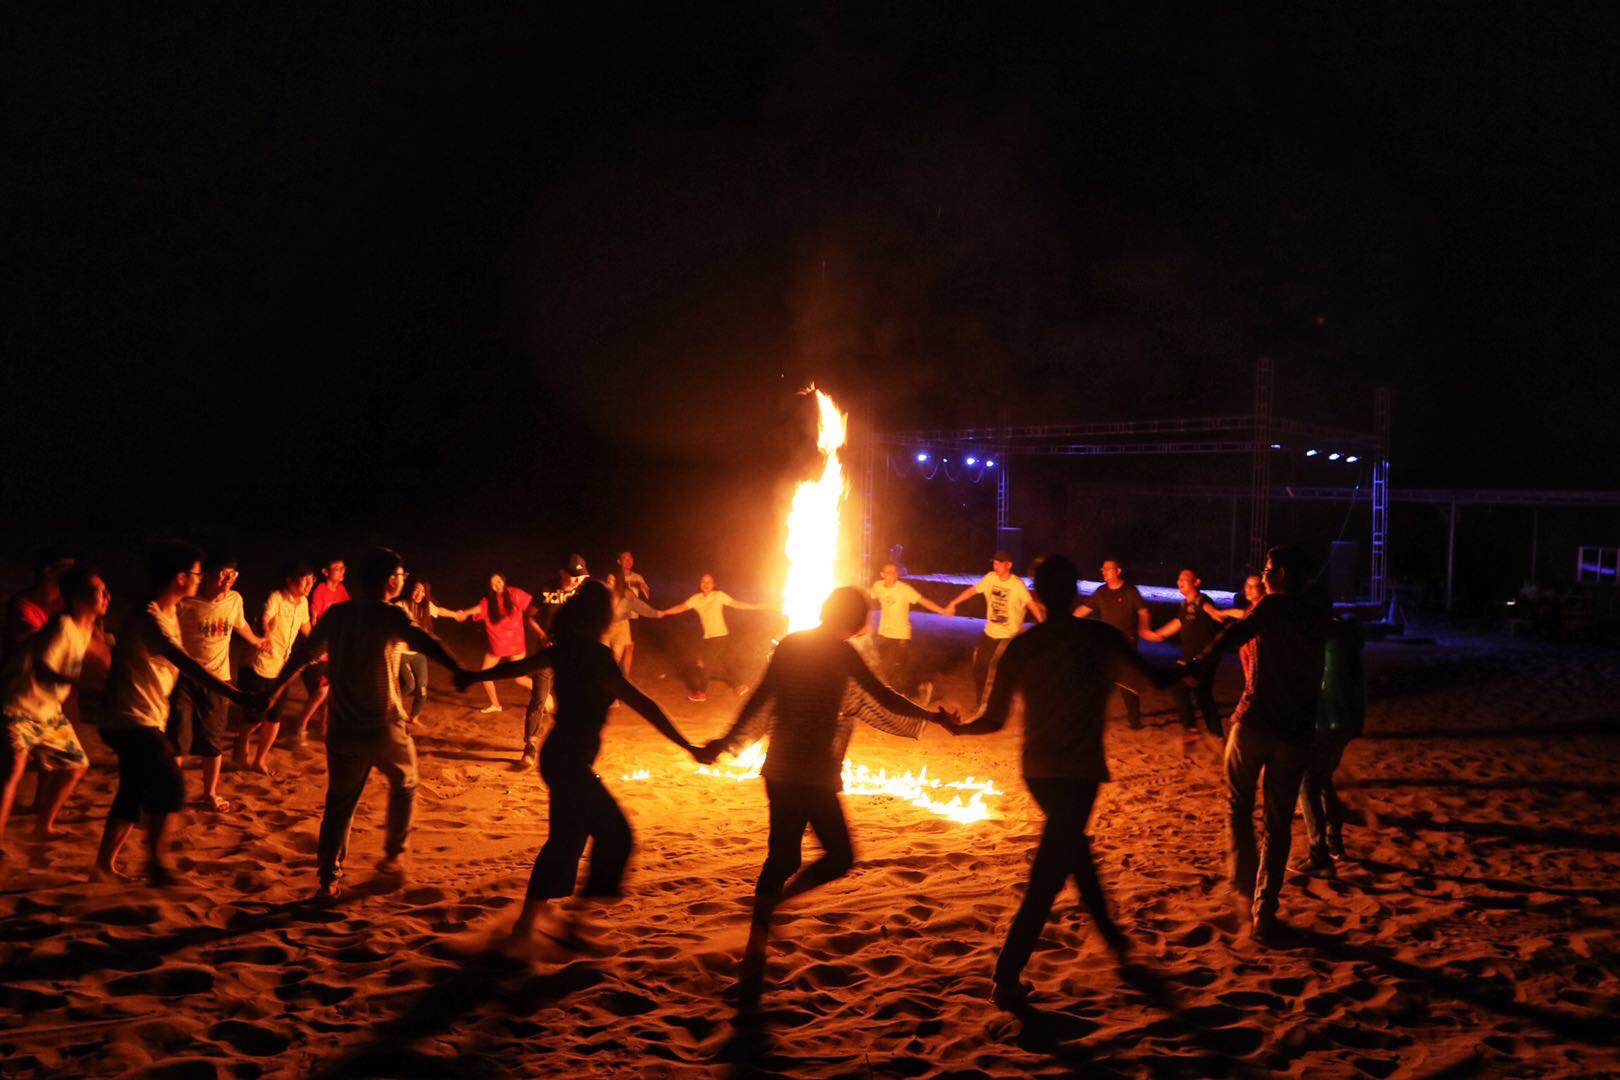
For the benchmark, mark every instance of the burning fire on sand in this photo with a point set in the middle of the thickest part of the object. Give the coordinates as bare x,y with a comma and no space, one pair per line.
812,553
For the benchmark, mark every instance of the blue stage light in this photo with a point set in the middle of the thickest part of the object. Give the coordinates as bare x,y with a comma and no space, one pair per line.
1311,453
1333,456
1276,446
922,455
989,464
1351,460
972,461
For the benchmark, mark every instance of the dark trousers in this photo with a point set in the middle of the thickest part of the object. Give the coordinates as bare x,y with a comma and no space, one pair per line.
985,655
1324,812
1256,758
894,662
792,808
713,662
1064,852
1204,695
413,680
582,811
149,780
349,762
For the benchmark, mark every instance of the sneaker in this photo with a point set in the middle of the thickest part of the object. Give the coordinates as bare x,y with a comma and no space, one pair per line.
1265,928
391,866
697,696
487,709
1335,842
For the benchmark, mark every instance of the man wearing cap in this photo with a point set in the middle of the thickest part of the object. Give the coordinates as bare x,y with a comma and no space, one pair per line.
569,579
1006,598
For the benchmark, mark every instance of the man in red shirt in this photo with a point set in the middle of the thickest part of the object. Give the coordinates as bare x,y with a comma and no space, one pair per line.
28,611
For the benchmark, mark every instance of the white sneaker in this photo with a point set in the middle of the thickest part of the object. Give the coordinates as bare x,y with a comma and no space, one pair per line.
487,709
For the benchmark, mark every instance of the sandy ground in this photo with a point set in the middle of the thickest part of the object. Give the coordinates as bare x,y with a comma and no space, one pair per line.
1473,929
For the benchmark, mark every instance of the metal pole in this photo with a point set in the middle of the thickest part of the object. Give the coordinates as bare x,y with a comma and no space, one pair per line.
870,466
1231,559
1451,553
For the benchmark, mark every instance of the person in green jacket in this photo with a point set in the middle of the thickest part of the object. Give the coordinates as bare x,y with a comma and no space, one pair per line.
1341,711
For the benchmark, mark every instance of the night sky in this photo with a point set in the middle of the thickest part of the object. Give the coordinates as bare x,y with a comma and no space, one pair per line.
278,273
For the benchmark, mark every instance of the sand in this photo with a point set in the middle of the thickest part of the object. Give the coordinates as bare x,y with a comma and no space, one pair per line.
1472,930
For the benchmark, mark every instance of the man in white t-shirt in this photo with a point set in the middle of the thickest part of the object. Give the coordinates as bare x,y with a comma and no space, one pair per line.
714,654
284,620
1006,598
894,599
147,663
198,718
33,689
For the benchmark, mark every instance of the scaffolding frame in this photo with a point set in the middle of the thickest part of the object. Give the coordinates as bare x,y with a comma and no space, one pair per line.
1259,434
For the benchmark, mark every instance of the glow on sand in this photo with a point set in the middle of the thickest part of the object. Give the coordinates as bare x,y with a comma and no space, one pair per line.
814,524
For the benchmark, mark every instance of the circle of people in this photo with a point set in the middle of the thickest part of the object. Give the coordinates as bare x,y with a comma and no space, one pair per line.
365,658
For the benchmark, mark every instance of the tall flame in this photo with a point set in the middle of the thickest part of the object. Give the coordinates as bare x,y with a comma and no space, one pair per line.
812,543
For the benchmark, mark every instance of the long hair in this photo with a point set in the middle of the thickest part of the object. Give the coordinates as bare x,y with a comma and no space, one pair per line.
421,613
500,603
617,584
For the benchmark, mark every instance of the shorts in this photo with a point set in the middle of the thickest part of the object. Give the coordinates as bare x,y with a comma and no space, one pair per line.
197,721
314,676
52,743
149,779
252,682
618,636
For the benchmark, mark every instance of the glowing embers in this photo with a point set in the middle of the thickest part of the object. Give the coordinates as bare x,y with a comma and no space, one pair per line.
962,801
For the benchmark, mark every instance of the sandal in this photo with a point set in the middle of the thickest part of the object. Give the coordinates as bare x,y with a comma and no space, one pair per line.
214,803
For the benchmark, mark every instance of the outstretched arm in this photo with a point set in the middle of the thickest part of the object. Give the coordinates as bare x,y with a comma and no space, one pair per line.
194,671
961,598
1082,610
998,705
676,610
1168,630
245,632
1038,609
423,642
750,723
1234,634
506,669
894,705
743,605
627,692
929,605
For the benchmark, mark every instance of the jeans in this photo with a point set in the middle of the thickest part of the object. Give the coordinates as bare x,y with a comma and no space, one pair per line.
581,810
985,655
792,807
1324,812
1256,758
894,660
1064,852
349,761
413,679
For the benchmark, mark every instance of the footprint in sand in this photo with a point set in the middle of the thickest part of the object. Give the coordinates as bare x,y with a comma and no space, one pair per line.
252,1039
266,955
125,915
20,999
164,982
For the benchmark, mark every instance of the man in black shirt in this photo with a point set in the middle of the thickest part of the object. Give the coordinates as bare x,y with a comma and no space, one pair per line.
1273,726
1196,626
1118,604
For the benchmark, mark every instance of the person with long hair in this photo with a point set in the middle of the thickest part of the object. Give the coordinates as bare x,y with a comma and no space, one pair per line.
417,601
586,682
629,602
626,582
328,592
503,610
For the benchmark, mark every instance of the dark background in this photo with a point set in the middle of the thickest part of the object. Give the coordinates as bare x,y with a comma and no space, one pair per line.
495,285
